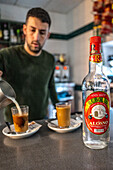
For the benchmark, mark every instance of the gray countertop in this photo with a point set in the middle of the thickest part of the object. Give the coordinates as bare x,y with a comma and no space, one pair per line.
48,150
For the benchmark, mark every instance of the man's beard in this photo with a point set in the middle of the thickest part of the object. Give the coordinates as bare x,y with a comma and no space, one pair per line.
34,49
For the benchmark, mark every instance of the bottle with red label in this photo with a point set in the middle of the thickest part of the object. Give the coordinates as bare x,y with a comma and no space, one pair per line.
96,100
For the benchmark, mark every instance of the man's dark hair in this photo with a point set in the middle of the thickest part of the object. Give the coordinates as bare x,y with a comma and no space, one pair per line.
40,14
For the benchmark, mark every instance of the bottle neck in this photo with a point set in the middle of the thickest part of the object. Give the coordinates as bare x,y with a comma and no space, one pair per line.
95,63
95,67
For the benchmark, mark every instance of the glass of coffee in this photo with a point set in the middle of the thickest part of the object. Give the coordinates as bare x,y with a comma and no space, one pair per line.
63,114
20,118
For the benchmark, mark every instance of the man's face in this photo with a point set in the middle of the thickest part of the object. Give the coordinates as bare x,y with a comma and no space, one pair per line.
36,33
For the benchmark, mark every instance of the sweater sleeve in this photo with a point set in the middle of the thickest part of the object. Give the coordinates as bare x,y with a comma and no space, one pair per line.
1,62
53,94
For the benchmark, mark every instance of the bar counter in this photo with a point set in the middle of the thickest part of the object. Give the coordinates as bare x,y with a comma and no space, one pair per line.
48,150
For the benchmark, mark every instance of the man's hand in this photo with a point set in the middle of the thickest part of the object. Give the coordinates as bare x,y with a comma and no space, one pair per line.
1,73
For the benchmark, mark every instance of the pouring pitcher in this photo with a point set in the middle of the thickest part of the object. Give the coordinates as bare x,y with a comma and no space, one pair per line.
5,91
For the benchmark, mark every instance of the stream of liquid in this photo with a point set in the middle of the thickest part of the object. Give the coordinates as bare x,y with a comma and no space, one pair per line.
16,103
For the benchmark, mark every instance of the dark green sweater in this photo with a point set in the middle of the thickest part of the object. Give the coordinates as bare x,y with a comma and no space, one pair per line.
31,77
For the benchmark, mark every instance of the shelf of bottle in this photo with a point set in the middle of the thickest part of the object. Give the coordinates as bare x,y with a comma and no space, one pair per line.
12,43
4,42
16,43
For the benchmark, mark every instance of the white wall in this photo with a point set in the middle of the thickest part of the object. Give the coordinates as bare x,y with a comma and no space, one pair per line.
79,16
56,46
78,47
13,13
78,53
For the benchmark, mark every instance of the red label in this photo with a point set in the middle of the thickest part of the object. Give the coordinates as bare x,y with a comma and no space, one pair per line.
96,112
97,58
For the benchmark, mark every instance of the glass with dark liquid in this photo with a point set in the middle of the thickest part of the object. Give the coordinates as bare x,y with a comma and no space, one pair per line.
20,118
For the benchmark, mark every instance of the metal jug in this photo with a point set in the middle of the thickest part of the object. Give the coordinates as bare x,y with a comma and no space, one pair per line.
5,90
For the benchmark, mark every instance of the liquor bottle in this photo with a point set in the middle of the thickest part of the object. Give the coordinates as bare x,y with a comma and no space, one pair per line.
5,32
12,35
96,100
18,35
22,35
1,35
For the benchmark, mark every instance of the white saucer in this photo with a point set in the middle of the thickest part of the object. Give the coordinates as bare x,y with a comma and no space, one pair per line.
74,124
33,127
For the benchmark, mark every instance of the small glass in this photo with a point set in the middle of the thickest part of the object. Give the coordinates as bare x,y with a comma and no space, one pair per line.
63,114
20,120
